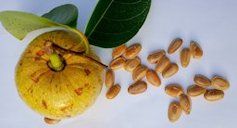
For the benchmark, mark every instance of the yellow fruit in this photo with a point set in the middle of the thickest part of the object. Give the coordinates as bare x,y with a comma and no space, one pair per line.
56,78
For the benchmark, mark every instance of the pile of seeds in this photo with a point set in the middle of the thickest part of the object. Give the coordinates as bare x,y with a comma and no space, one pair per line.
127,58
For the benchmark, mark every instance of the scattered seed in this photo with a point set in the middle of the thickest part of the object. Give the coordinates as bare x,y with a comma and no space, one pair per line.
132,51
175,45
131,64
51,121
220,83
137,88
119,51
202,81
163,64
113,91
174,90
195,90
185,57
171,70
196,50
155,57
153,78
214,95
117,63
174,111
109,78
185,103
139,72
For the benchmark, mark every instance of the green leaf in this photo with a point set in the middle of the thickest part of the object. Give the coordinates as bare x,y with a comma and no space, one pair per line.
114,22
19,24
65,14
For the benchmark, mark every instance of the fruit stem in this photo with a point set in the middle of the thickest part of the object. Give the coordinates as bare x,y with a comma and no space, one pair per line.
56,62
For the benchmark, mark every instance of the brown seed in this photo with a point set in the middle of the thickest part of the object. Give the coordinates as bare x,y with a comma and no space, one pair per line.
185,103
185,57
214,95
155,57
171,70
202,81
113,91
195,90
132,51
196,50
220,83
153,78
117,63
119,51
131,64
174,111
174,90
51,121
175,45
137,88
163,64
109,78
139,72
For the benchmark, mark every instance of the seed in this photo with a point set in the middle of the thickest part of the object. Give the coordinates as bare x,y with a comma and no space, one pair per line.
220,83
139,72
195,90
153,78
132,51
119,51
109,78
137,88
185,57
202,81
163,64
196,50
171,70
185,103
113,91
174,111
214,95
155,57
51,121
175,45
174,90
131,64
117,63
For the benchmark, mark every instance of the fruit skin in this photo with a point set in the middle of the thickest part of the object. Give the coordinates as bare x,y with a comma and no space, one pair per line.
57,94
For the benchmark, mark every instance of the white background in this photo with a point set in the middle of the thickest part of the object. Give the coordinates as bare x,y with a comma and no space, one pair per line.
213,23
